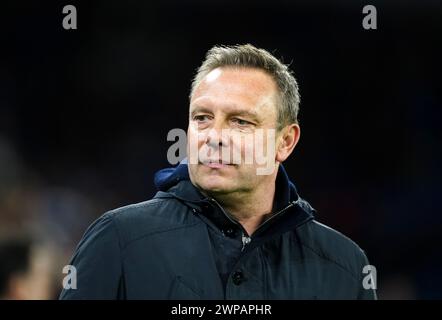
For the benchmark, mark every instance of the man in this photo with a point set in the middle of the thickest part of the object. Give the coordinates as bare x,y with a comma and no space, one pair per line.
218,228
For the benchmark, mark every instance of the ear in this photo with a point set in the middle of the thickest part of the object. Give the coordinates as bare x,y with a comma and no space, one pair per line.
287,141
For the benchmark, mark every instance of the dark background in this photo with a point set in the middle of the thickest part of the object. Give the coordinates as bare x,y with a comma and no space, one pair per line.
84,115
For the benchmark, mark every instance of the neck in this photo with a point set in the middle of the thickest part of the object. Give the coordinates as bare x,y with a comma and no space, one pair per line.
249,208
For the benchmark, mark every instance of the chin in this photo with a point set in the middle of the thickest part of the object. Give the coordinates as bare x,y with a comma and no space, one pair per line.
216,185
213,186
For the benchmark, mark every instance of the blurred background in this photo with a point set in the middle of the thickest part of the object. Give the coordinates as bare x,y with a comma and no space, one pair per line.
84,116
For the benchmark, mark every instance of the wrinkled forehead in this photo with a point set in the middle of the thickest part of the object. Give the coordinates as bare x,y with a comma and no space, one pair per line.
235,89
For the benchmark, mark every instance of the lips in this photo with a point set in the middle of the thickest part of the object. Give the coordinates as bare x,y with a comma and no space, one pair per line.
216,164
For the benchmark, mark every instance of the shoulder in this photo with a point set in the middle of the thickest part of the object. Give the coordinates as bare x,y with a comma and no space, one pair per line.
334,246
139,220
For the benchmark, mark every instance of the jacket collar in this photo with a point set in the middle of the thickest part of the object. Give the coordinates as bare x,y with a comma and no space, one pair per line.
175,183
169,180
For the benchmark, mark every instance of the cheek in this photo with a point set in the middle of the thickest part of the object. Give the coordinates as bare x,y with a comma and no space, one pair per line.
265,145
253,148
240,144
199,137
248,151
195,142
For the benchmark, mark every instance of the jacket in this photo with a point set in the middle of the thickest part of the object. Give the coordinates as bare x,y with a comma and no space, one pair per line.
184,245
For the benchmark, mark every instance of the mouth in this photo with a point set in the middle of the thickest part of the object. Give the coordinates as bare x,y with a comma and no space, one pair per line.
216,164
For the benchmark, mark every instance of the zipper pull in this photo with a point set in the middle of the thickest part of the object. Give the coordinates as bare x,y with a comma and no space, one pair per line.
245,240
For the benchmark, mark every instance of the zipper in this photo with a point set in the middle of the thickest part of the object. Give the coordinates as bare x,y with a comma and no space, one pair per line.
245,241
291,204
224,212
244,236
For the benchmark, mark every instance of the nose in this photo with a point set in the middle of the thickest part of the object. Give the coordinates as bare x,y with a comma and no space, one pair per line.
216,138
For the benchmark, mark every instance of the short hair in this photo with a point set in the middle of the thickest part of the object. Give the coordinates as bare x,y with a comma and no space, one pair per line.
249,56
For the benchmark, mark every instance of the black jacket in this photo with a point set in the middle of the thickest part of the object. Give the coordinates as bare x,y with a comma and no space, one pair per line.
182,245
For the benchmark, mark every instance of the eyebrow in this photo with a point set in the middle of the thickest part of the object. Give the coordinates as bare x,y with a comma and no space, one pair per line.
250,114
245,113
200,109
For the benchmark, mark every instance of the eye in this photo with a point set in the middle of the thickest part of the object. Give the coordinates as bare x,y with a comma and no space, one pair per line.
201,118
241,122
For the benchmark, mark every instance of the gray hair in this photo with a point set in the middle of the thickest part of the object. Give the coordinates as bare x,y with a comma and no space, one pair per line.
251,57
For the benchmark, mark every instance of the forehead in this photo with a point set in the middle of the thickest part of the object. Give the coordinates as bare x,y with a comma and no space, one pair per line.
235,87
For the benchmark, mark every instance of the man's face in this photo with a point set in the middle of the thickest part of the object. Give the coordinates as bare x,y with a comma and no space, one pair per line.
232,111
